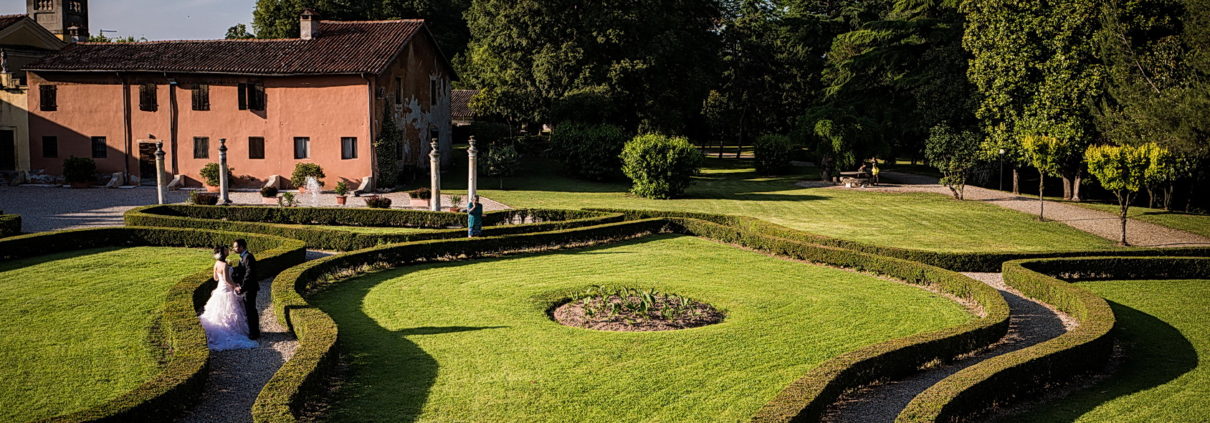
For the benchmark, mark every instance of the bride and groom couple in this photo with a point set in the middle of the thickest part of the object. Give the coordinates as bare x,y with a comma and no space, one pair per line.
230,317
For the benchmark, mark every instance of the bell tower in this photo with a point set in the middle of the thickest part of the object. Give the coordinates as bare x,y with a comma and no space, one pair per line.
67,19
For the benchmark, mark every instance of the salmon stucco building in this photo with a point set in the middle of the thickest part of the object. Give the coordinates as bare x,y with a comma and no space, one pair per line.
22,41
320,98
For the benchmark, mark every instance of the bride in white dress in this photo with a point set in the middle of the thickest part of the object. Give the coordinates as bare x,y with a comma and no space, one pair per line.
223,318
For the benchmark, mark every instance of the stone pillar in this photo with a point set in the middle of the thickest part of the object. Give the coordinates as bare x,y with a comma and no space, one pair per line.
223,183
472,172
159,171
435,176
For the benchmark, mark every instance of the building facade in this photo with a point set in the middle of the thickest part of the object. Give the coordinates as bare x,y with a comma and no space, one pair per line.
66,19
320,98
22,41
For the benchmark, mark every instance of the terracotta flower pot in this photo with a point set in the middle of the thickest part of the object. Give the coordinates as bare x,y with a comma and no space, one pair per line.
340,199
211,188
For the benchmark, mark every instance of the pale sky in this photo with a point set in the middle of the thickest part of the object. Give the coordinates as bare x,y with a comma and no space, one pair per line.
159,19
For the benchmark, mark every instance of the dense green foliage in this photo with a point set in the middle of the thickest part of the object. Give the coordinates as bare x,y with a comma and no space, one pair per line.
773,153
303,170
210,174
660,166
1121,170
953,153
500,161
79,169
1047,154
10,224
589,151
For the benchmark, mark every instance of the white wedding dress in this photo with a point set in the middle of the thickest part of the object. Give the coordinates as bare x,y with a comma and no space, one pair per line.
223,318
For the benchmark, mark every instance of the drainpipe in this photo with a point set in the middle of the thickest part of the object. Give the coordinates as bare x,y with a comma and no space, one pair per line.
175,117
126,120
373,151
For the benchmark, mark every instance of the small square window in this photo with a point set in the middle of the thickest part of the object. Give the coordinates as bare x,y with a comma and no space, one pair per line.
201,147
256,147
50,146
302,147
99,149
348,148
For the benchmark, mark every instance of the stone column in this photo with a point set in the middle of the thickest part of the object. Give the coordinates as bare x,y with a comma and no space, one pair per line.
159,171
472,172
223,183
435,176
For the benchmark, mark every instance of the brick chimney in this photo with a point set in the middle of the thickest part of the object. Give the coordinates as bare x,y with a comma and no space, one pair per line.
309,25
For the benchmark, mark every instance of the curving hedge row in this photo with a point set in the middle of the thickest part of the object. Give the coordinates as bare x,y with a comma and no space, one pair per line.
1020,374
303,375
10,224
956,261
285,222
182,379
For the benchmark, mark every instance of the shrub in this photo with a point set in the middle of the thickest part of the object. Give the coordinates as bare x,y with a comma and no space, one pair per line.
303,170
529,144
589,151
953,153
660,166
210,174
488,133
773,154
501,161
10,224
268,192
79,170
342,188
421,193
203,198
287,200
376,202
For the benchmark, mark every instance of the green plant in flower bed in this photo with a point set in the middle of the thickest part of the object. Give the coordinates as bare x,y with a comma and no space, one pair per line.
376,202
608,308
401,326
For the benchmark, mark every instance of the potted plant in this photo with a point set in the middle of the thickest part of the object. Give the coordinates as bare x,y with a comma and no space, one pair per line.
455,203
286,200
342,191
420,197
268,195
302,171
79,172
376,202
211,177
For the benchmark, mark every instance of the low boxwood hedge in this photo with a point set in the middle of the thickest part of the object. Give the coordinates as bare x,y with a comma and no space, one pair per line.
303,375
183,377
282,221
956,261
10,224
1023,373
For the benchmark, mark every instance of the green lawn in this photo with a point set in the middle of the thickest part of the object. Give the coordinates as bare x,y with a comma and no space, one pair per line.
75,326
470,342
1164,326
922,221
1195,223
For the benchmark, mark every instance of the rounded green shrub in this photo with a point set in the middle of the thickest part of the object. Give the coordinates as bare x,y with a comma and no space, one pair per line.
79,169
210,174
660,166
773,154
589,151
303,170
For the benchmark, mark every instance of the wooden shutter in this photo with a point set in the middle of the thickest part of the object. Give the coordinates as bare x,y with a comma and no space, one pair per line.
243,96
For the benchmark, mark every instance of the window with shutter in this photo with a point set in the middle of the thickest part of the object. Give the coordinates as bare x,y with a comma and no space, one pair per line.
348,148
201,97
201,147
99,149
50,147
256,147
302,147
48,100
147,100
256,98
243,96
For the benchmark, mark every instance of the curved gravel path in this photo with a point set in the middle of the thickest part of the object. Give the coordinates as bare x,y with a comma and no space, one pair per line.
237,376
1099,223
1030,323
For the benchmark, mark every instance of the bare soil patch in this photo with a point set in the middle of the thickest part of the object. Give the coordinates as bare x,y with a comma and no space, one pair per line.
632,310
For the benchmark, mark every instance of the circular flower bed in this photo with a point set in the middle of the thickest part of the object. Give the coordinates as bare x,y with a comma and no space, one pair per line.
633,310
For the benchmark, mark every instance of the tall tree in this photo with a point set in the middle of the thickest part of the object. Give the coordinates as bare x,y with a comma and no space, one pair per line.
1123,171
238,32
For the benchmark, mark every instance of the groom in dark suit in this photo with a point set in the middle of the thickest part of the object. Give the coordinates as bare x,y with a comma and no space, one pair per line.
247,284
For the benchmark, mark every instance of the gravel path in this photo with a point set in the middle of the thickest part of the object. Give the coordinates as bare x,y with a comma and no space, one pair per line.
1030,323
52,208
1099,223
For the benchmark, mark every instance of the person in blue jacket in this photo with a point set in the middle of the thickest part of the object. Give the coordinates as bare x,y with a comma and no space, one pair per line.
474,217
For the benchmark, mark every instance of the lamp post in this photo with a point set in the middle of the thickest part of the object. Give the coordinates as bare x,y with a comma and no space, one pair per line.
435,176
1001,169
159,171
472,173
224,199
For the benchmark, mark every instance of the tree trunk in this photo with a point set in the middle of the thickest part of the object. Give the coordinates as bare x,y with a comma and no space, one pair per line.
1124,203
1066,186
1168,196
1075,187
1016,181
1041,200
1150,197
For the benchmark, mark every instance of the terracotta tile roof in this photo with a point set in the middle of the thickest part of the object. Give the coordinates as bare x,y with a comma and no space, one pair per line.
9,20
342,47
460,100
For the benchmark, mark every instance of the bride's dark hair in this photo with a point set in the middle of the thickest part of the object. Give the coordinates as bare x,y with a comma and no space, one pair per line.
221,251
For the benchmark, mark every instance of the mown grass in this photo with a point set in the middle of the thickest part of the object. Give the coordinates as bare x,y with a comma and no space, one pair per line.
469,342
1164,328
729,186
75,326
1195,223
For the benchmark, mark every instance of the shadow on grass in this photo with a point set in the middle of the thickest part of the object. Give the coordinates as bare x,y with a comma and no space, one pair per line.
1155,353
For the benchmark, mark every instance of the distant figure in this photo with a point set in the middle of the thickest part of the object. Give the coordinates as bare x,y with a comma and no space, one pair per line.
874,173
861,173
474,218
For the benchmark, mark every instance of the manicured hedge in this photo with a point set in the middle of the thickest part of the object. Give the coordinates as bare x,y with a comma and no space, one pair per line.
182,379
10,224
303,375
956,261
1022,374
806,398
284,222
